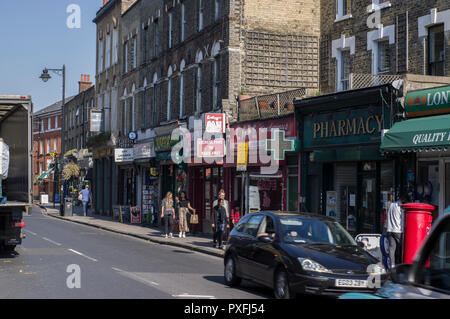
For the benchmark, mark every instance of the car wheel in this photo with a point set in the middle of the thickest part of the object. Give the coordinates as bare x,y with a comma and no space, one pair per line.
9,248
230,273
281,287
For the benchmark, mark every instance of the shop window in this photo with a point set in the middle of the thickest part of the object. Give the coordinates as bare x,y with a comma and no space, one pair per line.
427,184
436,51
383,57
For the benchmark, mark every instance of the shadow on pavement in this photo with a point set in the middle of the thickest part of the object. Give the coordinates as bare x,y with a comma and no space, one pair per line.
8,254
246,286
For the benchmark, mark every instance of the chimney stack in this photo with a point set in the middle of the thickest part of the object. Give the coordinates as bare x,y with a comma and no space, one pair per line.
105,2
85,83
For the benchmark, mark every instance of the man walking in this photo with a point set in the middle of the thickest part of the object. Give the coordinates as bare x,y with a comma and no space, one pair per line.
394,230
86,197
226,206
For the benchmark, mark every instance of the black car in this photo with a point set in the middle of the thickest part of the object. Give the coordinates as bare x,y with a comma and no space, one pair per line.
299,253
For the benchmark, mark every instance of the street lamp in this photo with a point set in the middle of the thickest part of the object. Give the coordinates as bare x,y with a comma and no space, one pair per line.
45,77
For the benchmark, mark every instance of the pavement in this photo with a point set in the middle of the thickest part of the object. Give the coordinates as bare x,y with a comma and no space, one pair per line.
197,242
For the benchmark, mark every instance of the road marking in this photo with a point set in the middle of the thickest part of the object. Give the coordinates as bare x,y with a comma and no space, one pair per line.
27,231
81,254
193,296
135,277
53,242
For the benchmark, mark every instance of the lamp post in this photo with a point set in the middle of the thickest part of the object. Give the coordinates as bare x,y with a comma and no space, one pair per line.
45,77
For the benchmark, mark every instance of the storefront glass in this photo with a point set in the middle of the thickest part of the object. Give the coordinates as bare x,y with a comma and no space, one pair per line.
265,192
387,189
150,195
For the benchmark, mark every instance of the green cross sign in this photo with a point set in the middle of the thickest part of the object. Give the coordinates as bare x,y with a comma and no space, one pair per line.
279,145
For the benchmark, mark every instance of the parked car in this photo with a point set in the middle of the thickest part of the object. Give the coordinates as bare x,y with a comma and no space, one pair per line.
298,253
427,277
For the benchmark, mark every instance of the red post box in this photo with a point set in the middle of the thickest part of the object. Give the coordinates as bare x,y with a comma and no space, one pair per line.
417,225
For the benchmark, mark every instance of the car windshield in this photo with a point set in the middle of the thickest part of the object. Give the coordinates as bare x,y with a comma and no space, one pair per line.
297,229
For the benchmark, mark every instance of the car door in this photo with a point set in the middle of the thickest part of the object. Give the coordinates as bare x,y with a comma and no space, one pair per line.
264,255
247,241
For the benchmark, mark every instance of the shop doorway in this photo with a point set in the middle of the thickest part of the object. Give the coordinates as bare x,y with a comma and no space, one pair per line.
368,198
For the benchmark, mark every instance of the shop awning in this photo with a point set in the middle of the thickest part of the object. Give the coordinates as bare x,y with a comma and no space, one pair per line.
45,174
420,134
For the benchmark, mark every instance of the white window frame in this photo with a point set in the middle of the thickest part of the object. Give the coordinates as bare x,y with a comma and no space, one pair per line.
41,147
49,123
201,8
341,70
217,11
101,55
108,51
340,11
56,145
126,57
42,126
115,46
183,22
49,144
181,97
377,5
134,53
338,46
170,29
374,37
56,122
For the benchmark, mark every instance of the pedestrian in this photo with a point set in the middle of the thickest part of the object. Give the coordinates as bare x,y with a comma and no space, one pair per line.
220,223
226,205
235,216
168,213
394,229
86,197
183,210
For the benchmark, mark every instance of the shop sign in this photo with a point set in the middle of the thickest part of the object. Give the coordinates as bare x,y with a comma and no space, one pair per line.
135,215
164,143
211,148
144,150
96,120
428,102
215,122
123,155
242,157
124,142
343,128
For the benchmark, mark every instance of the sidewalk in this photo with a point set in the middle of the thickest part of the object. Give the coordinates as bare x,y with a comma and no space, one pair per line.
198,242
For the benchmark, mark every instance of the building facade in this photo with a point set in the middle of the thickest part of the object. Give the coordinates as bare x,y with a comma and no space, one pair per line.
47,124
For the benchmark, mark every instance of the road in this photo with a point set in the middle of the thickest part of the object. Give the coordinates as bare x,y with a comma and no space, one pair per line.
110,266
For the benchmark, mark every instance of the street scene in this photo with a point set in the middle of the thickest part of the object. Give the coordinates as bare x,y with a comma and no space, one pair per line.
225,150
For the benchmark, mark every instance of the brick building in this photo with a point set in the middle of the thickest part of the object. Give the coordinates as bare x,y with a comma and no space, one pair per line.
46,139
76,116
177,60
379,37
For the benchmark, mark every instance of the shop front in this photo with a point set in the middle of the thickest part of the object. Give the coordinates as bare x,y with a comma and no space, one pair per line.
343,173
425,138
147,181
263,167
104,180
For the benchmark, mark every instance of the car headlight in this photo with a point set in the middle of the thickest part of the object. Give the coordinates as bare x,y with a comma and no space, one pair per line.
376,269
311,265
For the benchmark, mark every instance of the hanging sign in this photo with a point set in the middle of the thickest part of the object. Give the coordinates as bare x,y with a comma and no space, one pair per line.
428,102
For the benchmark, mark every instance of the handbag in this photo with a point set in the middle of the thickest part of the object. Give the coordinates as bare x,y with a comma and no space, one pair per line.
80,197
194,219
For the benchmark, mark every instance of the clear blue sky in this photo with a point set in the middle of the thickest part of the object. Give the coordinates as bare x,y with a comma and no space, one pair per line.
34,35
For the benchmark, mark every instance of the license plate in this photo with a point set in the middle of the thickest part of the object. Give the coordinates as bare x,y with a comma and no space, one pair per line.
351,283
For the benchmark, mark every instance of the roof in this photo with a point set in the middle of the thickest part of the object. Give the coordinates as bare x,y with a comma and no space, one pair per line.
54,108
103,10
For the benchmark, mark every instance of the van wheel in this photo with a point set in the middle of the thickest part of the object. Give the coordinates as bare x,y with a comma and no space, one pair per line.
230,273
281,286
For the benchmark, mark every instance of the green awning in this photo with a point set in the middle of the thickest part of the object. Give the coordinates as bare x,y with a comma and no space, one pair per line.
45,174
420,134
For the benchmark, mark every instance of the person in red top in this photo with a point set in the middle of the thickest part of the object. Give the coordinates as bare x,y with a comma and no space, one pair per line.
235,216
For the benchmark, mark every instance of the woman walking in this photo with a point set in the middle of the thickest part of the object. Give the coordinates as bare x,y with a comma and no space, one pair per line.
183,209
168,213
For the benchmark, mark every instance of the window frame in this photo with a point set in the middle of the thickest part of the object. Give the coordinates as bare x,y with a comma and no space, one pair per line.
431,63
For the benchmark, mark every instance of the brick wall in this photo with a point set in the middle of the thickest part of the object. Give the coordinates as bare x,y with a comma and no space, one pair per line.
407,54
